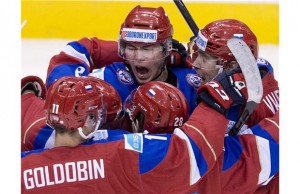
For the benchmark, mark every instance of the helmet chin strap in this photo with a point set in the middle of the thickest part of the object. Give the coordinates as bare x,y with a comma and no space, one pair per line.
91,135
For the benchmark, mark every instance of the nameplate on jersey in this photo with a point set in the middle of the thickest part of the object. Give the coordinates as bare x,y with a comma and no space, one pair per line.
134,141
139,35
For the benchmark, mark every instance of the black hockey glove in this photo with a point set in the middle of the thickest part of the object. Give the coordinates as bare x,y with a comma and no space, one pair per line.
178,55
228,89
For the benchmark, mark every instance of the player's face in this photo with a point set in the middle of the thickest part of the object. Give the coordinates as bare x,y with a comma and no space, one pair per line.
146,61
206,66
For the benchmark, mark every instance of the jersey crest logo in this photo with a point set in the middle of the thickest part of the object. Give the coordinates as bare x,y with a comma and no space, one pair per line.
194,80
124,76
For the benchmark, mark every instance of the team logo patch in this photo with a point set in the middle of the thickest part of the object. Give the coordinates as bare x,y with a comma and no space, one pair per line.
194,80
134,142
124,76
262,62
139,35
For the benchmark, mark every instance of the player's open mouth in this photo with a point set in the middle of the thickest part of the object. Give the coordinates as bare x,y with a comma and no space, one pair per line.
142,72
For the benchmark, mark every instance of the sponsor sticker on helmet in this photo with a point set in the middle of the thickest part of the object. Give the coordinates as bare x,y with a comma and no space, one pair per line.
201,41
134,142
139,35
124,76
194,80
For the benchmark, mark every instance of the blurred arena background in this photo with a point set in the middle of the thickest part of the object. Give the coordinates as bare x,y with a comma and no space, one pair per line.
49,25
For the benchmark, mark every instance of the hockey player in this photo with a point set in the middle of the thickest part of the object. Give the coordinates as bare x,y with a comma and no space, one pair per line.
193,156
144,44
210,56
35,133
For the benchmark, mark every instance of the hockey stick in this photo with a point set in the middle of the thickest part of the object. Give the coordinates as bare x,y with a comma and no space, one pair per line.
247,63
187,16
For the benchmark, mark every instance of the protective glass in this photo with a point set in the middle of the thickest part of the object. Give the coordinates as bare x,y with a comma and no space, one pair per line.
94,121
132,51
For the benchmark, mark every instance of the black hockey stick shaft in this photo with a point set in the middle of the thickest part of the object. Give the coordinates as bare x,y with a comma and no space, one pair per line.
187,16
250,106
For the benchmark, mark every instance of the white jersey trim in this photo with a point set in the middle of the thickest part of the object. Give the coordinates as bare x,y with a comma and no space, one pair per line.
265,160
98,73
50,141
206,141
194,170
72,52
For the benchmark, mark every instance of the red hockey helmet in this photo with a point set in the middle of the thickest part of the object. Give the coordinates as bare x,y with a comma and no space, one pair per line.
71,99
112,100
212,39
157,107
148,26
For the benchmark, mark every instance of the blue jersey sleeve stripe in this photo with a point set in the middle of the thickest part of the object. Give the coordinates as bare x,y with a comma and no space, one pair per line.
261,132
67,70
233,151
198,163
42,137
273,147
201,162
26,153
150,157
274,151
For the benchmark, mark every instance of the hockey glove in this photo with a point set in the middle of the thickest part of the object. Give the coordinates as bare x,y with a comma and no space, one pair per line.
192,52
228,89
35,84
178,55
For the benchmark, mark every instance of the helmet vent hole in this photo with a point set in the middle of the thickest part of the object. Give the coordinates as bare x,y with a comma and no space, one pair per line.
142,25
158,118
72,85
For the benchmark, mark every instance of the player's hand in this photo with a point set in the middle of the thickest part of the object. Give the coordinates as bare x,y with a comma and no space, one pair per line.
35,84
192,52
178,55
226,90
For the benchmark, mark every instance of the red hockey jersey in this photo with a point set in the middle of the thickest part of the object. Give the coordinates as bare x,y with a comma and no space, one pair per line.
192,160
